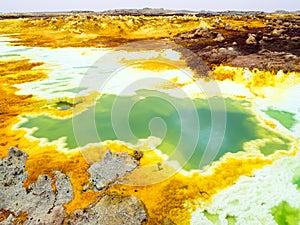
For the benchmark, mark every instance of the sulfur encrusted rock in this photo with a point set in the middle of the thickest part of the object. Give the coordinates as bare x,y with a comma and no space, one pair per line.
12,168
119,210
111,167
40,202
12,174
47,207
111,210
44,206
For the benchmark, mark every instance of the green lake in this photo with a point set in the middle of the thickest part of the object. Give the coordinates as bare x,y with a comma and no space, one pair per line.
241,124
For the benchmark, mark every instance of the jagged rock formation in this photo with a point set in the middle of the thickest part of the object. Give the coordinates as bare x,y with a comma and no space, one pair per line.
119,164
41,204
273,48
115,210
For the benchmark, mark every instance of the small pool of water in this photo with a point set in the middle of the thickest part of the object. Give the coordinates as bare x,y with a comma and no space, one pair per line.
287,119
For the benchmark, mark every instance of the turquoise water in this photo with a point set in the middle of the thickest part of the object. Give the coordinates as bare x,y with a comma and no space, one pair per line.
9,55
73,90
241,124
287,119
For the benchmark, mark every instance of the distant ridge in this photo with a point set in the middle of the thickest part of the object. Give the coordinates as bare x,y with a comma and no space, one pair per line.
143,11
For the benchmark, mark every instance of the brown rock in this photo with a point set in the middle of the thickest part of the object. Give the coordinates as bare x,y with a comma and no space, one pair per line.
111,210
245,26
117,210
295,38
251,39
277,32
219,38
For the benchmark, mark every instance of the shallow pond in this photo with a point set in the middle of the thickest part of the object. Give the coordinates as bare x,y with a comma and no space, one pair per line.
147,106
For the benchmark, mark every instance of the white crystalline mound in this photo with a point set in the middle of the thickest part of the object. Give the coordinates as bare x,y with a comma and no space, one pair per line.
251,199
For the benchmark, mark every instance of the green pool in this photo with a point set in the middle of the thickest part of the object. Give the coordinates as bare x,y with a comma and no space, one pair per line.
241,125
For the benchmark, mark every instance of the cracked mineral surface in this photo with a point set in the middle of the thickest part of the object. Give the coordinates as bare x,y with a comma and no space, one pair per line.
110,168
40,202
43,204
114,210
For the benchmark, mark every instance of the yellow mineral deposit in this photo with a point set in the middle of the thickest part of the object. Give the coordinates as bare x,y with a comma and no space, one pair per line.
95,31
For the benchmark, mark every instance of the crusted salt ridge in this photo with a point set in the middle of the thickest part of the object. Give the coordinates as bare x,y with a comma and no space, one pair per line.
251,199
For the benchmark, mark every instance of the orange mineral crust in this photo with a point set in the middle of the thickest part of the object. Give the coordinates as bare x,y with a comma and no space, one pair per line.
173,197
12,105
42,159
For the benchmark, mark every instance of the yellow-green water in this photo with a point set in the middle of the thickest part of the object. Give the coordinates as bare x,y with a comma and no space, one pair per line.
241,125
287,119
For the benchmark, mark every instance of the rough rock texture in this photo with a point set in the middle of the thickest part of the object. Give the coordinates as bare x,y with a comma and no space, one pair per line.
119,164
12,168
47,208
111,210
274,47
251,40
10,220
167,221
40,204
121,210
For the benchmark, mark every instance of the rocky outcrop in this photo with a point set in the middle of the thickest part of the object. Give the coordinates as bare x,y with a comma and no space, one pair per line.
114,210
273,47
40,202
251,40
119,164
43,204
